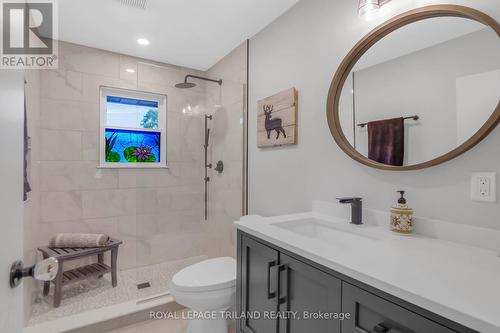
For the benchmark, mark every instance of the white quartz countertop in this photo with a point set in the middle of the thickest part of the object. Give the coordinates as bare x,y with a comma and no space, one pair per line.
456,281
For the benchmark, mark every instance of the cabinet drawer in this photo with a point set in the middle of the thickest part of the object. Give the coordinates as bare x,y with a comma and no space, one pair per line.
372,314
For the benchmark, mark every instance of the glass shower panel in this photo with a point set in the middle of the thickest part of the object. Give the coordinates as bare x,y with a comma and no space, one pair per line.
171,232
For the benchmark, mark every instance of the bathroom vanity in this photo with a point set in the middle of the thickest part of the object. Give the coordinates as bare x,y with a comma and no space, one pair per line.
392,105
312,268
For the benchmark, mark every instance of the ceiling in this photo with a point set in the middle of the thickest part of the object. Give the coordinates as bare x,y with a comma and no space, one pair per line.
191,33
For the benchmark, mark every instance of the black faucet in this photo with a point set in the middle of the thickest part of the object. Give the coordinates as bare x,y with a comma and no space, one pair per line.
356,209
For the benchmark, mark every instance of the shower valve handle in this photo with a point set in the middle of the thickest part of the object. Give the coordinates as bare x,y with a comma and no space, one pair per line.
45,270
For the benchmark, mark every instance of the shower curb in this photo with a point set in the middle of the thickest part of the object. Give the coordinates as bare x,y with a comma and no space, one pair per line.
109,318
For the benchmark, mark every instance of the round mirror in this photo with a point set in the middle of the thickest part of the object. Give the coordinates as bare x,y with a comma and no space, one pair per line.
419,90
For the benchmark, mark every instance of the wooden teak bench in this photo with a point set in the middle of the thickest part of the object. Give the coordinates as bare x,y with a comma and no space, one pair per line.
80,273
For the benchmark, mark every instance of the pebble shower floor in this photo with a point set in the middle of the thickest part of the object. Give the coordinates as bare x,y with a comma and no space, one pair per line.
97,293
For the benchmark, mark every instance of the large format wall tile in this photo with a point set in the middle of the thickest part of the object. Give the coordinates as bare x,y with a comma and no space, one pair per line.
128,63
150,178
91,86
61,206
69,115
165,75
61,84
109,203
60,175
90,146
88,60
93,178
61,145
147,201
76,175
173,199
107,226
233,66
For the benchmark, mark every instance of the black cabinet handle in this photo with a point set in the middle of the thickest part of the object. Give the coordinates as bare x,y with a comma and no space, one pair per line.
270,294
284,294
281,289
381,329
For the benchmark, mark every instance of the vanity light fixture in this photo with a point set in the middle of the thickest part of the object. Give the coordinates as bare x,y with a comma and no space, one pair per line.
143,41
366,8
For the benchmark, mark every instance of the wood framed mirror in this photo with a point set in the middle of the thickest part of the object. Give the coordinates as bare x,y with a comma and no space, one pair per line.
418,90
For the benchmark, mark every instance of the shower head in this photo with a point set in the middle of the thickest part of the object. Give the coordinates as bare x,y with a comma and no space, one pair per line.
185,85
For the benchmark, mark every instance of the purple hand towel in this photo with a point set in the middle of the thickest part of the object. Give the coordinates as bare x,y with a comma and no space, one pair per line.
386,141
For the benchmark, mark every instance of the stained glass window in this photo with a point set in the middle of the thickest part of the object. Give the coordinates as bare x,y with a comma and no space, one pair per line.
129,146
133,129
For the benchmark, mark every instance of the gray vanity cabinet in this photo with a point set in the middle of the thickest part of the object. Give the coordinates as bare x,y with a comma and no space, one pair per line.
281,289
304,291
274,280
374,314
258,286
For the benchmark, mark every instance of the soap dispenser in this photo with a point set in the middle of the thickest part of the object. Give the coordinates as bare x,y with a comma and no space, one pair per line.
402,216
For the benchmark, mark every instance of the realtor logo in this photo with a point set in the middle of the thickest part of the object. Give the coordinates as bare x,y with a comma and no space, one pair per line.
28,34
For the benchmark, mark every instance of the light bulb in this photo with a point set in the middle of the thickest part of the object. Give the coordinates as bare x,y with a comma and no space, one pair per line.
367,8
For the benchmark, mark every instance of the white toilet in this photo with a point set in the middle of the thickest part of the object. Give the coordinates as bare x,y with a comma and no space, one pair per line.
208,286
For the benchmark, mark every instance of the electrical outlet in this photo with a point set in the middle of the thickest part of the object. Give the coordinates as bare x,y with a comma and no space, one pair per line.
484,187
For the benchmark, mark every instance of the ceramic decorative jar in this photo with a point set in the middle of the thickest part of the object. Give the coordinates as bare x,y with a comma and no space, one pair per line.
402,217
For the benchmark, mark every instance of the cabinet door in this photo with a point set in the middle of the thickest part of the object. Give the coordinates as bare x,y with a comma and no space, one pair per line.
305,290
370,313
258,286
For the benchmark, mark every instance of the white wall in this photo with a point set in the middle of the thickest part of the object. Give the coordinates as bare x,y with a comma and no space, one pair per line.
11,195
303,48
32,205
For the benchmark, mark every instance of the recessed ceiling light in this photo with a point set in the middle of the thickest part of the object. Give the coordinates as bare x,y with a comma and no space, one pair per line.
142,41
130,70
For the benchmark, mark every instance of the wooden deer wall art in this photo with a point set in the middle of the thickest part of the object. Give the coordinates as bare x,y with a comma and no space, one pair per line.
277,119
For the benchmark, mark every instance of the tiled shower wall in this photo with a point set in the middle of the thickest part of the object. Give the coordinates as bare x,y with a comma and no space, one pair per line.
157,213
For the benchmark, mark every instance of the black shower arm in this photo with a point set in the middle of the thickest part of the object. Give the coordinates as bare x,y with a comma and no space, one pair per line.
201,78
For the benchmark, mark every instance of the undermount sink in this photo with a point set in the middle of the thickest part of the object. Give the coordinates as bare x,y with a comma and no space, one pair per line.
325,231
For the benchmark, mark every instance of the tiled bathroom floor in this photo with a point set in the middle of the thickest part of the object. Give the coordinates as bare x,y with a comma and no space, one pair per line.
163,326
156,326
98,293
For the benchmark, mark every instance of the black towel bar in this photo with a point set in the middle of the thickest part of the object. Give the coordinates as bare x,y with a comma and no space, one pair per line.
405,118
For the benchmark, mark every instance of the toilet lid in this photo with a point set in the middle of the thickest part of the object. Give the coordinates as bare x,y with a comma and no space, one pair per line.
213,274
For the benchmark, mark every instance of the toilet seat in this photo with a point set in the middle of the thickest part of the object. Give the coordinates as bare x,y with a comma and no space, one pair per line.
209,275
